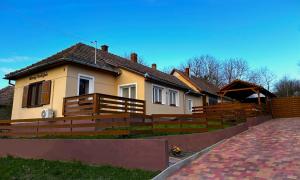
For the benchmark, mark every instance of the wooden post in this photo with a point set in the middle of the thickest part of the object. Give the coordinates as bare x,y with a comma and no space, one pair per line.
71,126
64,104
126,106
96,104
152,120
258,97
37,128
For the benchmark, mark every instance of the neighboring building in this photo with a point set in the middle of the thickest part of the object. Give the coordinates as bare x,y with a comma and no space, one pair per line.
246,92
6,100
73,72
199,85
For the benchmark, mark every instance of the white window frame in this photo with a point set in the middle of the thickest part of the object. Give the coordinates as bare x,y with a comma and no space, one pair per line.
120,92
190,109
176,97
91,80
163,93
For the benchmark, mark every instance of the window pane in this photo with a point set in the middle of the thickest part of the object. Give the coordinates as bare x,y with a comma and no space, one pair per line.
125,92
160,95
133,92
33,95
39,94
172,97
84,86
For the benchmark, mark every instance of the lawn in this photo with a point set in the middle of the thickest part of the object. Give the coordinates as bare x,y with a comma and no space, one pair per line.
17,168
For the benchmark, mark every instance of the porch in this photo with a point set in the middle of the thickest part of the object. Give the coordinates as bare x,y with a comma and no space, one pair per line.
96,103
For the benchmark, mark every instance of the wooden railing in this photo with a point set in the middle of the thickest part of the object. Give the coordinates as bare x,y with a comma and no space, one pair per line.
66,126
114,125
237,109
96,103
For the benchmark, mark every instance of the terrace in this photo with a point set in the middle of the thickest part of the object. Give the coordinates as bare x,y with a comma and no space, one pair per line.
96,103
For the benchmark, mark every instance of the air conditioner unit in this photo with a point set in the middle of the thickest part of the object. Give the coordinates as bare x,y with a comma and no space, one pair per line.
47,113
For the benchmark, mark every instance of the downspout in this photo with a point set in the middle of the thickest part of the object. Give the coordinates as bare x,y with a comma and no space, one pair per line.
9,82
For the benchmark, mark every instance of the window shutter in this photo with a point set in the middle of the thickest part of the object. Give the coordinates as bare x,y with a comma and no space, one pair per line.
25,97
46,92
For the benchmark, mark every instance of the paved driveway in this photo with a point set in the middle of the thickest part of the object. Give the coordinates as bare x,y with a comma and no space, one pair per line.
267,151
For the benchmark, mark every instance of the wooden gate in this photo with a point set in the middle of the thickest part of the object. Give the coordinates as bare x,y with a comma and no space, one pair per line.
285,107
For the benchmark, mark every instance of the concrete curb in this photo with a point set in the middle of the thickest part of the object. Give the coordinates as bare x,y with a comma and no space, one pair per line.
170,170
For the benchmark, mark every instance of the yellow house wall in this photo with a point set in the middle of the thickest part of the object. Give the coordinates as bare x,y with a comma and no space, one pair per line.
182,79
58,76
103,82
127,78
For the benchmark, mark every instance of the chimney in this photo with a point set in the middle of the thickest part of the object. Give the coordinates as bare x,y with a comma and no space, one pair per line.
104,48
187,71
134,57
154,66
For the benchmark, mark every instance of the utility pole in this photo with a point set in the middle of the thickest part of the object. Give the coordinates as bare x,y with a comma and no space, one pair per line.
95,43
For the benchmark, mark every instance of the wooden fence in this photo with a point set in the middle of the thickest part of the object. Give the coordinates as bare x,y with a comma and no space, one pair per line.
286,107
92,104
125,124
231,109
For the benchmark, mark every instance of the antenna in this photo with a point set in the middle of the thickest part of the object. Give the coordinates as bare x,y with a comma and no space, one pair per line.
95,43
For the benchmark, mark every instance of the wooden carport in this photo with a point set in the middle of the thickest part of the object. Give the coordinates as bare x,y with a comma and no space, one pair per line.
241,90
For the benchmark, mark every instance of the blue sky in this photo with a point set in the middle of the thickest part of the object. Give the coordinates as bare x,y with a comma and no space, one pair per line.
265,33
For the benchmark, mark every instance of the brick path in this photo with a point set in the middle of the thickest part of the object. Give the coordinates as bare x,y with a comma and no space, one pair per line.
267,151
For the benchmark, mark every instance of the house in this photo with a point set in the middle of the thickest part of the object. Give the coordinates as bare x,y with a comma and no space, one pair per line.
76,71
6,100
209,91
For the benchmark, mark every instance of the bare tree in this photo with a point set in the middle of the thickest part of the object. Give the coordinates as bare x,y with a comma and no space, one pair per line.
262,76
287,87
235,68
268,77
206,67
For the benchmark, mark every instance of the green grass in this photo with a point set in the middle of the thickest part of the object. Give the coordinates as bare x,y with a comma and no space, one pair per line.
23,169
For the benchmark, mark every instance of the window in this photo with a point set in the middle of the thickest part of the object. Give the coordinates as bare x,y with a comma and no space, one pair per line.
190,105
128,91
85,85
36,94
173,98
157,95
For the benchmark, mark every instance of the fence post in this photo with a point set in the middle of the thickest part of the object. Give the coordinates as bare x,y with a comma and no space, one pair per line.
180,126
71,127
152,121
96,104
37,128
126,105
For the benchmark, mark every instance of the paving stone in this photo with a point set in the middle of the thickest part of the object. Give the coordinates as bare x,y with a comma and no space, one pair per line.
267,151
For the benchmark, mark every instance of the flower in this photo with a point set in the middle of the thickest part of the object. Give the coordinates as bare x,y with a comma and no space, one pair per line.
175,150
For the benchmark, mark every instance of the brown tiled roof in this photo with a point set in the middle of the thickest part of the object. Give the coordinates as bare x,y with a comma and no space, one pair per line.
84,55
77,54
6,96
201,84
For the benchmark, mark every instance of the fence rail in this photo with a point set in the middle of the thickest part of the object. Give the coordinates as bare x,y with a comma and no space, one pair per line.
116,125
231,109
286,107
92,104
